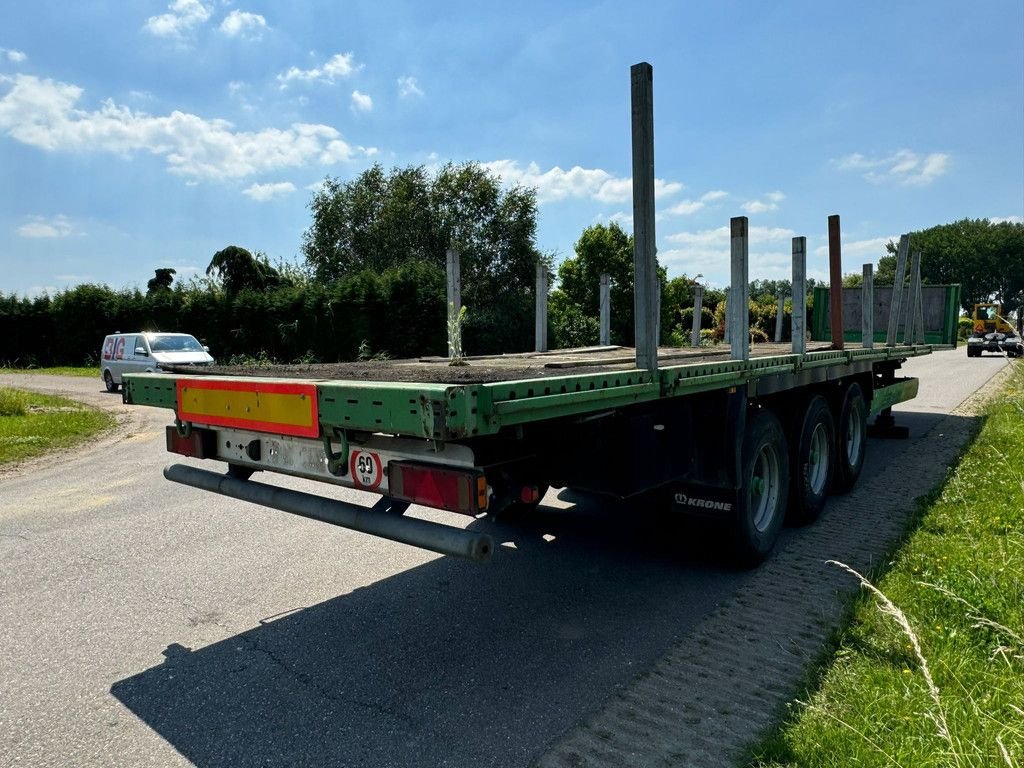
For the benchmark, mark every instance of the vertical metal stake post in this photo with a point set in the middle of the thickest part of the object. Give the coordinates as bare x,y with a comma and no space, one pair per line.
606,310
739,291
798,329
454,291
896,305
644,261
867,308
835,278
541,333
698,307
780,311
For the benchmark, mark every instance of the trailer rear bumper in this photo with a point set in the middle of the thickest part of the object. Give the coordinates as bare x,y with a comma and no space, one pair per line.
436,537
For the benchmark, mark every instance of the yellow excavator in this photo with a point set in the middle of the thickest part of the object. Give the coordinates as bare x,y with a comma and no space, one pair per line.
993,333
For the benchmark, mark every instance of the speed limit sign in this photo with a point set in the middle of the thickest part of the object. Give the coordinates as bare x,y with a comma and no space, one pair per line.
366,469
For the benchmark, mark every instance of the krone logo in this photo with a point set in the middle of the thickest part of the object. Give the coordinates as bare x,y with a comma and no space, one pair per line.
691,501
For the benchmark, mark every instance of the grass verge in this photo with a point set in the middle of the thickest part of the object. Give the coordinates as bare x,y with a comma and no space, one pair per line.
82,372
32,424
930,669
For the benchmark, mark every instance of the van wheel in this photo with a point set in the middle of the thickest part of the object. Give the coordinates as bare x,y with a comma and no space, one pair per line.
851,439
108,380
764,489
812,446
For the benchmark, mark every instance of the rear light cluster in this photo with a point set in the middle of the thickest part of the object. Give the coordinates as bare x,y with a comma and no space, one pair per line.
199,443
462,491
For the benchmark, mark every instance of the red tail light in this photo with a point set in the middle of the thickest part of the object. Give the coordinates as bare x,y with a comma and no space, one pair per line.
455,490
200,443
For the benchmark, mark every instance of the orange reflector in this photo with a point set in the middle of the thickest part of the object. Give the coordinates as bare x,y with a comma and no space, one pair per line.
283,408
463,491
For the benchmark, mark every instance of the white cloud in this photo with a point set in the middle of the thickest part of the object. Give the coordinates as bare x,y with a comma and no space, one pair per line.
248,26
184,16
41,227
686,207
707,252
860,251
558,184
761,206
1007,220
409,87
903,167
690,207
43,114
338,66
263,192
361,102
17,57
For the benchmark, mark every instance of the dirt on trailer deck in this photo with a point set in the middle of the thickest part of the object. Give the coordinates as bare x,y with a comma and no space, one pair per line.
491,368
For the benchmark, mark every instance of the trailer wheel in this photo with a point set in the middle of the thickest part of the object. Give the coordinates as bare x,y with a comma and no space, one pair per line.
764,488
812,446
851,439
108,381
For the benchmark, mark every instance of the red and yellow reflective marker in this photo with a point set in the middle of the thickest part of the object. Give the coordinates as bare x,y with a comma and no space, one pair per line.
283,408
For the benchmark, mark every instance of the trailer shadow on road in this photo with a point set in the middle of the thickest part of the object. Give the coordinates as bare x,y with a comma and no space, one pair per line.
451,663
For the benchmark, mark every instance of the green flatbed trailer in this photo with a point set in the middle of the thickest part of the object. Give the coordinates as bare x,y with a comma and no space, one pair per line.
748,442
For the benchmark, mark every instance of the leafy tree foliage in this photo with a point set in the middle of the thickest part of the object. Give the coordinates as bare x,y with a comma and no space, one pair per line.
162,281
237,269
986,259
384,220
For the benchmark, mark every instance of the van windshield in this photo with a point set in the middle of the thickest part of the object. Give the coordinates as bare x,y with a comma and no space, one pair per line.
174,344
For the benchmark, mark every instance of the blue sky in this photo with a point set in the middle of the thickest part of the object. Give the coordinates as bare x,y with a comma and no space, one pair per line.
153,134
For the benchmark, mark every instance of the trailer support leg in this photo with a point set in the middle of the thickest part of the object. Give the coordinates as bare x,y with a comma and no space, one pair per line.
885,427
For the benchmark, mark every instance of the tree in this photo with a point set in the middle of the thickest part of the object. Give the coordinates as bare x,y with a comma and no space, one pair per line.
237,269
162,281
383,220
986,259
601,249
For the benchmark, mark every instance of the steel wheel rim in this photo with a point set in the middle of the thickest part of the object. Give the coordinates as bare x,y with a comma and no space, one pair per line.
854,436
764,488
817,459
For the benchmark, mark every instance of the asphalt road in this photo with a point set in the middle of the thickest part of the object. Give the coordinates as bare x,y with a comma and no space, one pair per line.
145,623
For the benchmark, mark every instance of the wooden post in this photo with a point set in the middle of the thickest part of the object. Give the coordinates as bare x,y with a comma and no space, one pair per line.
739,291
454,292
798,329
644,261
541,332
698,307
835,277
896,305
780,313
867,308
606,310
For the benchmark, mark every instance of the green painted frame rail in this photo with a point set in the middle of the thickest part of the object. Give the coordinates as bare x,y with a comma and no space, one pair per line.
459,411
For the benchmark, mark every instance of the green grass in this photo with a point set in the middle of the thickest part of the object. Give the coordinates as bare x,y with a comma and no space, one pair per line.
84,372
32,424
947,689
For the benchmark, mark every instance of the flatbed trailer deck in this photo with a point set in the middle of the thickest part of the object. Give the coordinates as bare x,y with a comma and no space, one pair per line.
747,435
493,435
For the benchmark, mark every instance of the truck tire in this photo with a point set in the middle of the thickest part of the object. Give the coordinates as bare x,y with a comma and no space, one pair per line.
764,489
811,451
108,381
851,438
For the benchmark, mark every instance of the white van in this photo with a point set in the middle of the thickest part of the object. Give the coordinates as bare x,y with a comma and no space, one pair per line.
146,352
